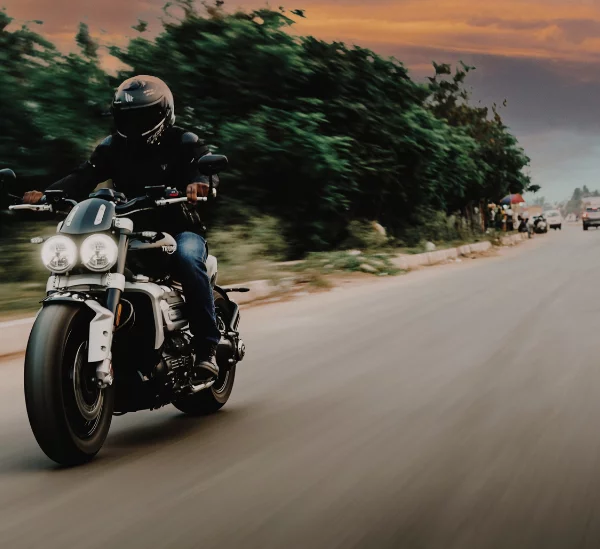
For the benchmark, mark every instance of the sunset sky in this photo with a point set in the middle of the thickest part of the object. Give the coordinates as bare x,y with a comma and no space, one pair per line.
541,55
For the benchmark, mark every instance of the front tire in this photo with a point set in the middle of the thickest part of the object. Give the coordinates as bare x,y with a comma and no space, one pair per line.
69,416
211,400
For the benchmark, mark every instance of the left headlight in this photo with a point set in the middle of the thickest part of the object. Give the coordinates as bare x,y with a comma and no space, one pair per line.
59,254
99,252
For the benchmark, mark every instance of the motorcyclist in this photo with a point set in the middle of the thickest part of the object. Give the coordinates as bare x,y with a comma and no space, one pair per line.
147,149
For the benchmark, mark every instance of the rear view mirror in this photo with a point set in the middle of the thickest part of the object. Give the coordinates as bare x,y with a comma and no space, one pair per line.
7,176
212,164
7,180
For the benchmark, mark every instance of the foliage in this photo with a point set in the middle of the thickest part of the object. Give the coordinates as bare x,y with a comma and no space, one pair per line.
52,107
499,159
321,136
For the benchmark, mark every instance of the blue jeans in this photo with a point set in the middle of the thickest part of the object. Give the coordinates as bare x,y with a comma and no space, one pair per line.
190,270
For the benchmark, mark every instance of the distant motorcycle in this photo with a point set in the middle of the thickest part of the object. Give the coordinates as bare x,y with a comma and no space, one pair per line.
540,225
112,335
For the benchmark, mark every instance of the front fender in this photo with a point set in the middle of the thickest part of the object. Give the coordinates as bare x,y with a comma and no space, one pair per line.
100,333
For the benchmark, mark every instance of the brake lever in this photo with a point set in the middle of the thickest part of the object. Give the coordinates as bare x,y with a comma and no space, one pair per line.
32,207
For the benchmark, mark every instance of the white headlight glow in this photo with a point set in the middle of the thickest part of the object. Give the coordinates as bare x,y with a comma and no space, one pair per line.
99,252
59,254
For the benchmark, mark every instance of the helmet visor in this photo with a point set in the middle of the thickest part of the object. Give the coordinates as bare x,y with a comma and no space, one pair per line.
139,122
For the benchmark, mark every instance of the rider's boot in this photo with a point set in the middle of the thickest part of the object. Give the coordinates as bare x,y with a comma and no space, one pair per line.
205,365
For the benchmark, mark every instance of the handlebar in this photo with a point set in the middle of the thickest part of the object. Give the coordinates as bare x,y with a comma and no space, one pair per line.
167,201
124,208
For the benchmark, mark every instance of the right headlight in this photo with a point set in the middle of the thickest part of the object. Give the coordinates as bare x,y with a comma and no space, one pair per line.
99,252
59,254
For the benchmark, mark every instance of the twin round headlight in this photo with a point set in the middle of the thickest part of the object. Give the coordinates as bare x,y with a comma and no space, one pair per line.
98,253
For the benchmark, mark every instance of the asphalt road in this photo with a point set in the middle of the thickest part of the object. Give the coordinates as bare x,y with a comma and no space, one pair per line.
453,408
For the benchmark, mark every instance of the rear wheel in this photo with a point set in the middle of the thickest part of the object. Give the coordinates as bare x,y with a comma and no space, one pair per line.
585,227
69,415
211,400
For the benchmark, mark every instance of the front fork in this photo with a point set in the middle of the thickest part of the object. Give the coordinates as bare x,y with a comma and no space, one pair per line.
113,296
105,322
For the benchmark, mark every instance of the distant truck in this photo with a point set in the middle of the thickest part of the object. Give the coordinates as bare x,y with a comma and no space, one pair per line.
591,212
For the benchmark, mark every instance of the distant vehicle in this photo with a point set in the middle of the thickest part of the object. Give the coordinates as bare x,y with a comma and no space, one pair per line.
555,219
540,224
591,213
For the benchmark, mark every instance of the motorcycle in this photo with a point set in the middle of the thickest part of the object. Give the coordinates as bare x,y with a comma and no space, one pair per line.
112,335
540,225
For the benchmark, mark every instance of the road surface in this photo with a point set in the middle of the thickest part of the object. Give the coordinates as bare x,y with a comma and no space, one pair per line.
456,408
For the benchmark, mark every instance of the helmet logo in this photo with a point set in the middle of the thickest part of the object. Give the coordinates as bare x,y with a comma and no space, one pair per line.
128,98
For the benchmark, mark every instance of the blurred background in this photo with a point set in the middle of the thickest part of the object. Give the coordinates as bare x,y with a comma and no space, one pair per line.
451,408
324,138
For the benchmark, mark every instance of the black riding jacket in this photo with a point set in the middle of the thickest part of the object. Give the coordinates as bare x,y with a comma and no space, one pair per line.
130,168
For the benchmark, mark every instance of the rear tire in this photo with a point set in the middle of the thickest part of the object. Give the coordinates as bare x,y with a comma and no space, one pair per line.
211,400
585,227
69,416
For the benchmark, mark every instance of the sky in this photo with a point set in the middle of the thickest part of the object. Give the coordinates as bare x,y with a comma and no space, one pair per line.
543,56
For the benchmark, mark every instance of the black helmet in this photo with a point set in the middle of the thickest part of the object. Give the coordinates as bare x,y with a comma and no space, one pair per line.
143,108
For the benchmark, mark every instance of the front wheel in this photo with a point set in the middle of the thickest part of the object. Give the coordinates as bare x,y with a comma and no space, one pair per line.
211,400
69,415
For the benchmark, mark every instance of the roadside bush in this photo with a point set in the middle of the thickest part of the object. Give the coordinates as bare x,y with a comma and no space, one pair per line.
436,226
247,251
364,236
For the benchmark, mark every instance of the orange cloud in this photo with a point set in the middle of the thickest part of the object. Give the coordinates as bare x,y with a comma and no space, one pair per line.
529,28
549,29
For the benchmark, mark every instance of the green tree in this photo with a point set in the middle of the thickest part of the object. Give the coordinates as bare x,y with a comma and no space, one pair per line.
499,158
319,133
575,204
53,104
84,40
242,79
